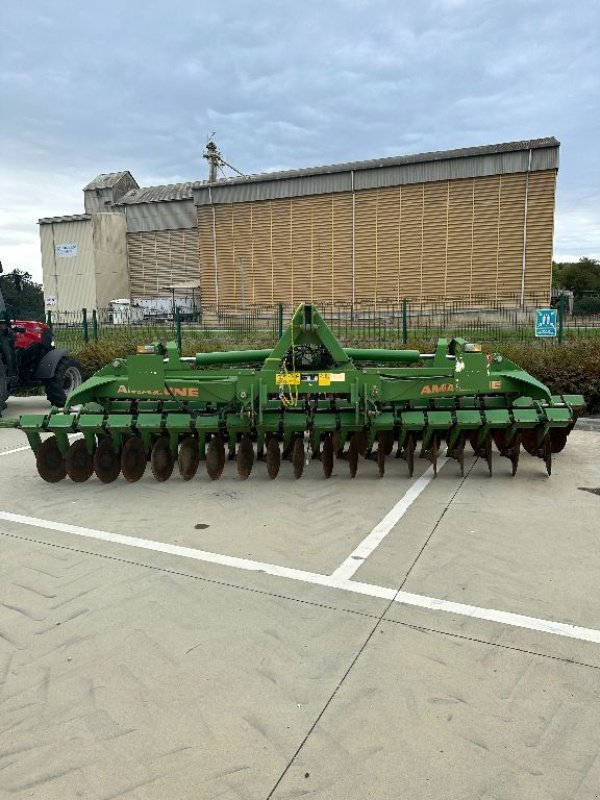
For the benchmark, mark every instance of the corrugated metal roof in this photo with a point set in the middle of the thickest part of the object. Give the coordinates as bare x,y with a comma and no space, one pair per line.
156,194
106,180
66,218
415,158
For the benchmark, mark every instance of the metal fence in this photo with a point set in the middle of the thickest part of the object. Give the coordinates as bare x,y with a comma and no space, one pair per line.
391,324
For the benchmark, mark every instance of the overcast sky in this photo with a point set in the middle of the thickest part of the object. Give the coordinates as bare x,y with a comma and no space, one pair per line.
87,88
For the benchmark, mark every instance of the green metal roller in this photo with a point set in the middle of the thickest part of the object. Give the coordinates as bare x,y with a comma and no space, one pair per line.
307,397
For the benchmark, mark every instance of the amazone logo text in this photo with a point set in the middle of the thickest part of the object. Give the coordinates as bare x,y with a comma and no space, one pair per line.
187,391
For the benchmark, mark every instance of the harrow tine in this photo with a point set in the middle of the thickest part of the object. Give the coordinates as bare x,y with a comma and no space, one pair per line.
409,453
327,455
486,451
162,460
298,457
79,462
508,447
107,463
133,459
188,458
546,453
245,457
50,462
381,452
215,458
353,452
432,453
514,456
458,453
273,457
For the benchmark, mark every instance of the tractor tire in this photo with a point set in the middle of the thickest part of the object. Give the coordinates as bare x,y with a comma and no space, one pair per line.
4,391
68,376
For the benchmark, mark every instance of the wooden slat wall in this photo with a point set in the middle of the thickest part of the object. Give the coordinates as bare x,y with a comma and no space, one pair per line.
159,258
454,239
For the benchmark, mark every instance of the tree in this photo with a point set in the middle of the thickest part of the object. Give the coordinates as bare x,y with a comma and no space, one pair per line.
581,277
23,297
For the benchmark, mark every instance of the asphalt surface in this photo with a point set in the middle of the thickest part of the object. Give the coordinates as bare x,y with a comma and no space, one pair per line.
236,640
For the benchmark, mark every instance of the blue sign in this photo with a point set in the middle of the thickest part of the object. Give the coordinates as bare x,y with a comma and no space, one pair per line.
545,322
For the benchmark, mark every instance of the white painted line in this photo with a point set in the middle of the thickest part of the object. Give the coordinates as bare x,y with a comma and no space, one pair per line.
380,531
14,450
330,581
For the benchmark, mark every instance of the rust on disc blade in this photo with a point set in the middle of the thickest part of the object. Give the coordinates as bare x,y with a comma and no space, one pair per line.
558,439
353,452
273,457
133,459
162,459
107,464
79,462
298,457
50,462
361,443
528,440
381,452
473,441
409,454
327,455
188,458
215,458
245,457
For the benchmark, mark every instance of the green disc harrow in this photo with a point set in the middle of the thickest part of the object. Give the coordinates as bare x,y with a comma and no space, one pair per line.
309,397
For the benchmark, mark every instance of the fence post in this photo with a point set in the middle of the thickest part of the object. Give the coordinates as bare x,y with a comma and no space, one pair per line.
404,321
279,320
49,319
86,333
561,318
95,324
178,329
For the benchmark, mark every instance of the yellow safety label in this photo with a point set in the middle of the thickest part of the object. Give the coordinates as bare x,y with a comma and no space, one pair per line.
287,378
324,378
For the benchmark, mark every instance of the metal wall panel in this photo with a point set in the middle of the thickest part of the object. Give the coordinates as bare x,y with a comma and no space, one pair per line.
255,191
69,281
172,215
160,258
453,238
544,158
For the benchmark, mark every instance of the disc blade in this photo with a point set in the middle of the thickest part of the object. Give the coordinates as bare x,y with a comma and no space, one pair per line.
162,459
107,464
473,441
79,462
298,457
245,457
133,459
273,458
215,458
558,439
353,452
50,462
188,458
528,439
433,453
361,443
327,455
458,453
381,453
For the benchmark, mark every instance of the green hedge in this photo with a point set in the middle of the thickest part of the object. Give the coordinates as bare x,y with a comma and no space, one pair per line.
571,368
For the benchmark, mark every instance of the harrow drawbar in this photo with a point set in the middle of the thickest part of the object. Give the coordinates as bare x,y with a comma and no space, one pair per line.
308,398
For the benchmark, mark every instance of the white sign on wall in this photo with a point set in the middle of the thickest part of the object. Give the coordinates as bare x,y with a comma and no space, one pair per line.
50,301
66,250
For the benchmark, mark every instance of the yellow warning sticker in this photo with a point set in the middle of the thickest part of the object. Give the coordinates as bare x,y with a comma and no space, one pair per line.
324,378
287,378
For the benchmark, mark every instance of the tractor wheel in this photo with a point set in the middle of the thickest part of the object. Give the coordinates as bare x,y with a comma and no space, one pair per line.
4,392
68,376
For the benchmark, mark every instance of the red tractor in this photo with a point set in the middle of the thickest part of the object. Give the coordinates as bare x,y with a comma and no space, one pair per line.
28,358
